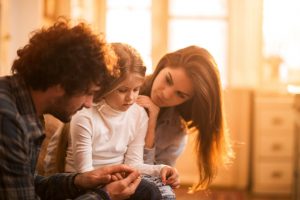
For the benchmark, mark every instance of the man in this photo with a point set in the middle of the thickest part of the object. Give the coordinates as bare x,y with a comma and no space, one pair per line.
56,73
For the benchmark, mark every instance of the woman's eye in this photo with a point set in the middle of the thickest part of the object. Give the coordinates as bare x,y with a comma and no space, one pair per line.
168,80
182,96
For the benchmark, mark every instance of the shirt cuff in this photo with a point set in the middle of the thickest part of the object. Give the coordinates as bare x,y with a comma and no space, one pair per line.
74,188
102,193
149,156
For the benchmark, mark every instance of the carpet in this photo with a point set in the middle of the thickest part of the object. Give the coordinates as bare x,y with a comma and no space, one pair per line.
181,194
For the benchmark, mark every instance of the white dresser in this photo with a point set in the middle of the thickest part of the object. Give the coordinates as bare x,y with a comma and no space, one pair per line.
296,190
273,143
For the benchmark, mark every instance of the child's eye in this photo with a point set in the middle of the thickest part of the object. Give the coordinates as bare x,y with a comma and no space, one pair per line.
136,89
122,90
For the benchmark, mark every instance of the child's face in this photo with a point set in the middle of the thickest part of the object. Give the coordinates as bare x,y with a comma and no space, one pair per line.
126,93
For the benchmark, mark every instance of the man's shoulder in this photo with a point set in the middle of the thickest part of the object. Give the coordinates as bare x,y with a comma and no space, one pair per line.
7,102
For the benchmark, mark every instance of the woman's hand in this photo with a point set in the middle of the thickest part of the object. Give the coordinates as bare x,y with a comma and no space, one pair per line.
147,103
153,111
169,175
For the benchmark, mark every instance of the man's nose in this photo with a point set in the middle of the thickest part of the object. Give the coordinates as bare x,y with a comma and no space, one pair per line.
88,101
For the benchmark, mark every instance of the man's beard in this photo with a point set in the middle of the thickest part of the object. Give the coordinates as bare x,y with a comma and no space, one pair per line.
60,109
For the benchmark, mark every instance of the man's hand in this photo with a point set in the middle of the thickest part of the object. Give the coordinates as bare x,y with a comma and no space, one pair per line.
101,176
170,176
124,188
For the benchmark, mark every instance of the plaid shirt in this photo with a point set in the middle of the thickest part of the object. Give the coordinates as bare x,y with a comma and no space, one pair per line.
21,136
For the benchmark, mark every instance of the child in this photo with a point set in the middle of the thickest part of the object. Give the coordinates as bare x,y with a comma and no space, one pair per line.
113,130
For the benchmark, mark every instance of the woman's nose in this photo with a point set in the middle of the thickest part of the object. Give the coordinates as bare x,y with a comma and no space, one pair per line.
167,93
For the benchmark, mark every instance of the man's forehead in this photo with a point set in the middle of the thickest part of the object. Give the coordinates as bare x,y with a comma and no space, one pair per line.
94,88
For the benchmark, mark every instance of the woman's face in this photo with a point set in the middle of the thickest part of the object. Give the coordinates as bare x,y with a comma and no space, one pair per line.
171,87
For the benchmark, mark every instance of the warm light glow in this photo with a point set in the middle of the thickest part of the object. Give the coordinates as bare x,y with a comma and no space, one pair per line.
203,23
198,8
82,10
190,22
282,36
293,89
130,22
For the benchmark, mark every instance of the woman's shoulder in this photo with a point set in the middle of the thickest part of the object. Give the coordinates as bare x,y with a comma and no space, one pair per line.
171,115
171,120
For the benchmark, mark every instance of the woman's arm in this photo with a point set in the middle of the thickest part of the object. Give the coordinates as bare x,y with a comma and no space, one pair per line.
169,154
153,112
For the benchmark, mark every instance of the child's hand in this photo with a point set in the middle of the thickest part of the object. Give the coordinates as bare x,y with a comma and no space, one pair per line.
117,176
170,176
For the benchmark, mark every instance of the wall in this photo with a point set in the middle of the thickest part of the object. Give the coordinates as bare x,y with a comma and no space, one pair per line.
245,43
18,19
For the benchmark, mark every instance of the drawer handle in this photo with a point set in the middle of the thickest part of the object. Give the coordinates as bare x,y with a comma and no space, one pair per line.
276,174
276,147
277,121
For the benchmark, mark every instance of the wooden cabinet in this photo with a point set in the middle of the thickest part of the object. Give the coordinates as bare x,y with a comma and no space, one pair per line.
296,188
273,143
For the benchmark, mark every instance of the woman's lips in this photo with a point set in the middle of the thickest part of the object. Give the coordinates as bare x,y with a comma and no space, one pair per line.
158,100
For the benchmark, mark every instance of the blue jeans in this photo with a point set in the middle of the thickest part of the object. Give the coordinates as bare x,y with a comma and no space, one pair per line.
166,191
151,188
146,191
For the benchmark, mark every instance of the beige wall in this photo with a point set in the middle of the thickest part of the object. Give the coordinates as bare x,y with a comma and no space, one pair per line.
18,19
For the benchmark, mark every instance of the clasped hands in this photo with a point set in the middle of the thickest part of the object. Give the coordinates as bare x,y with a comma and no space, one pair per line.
121,181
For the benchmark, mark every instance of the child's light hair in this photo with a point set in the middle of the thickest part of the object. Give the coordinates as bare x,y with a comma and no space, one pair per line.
128,61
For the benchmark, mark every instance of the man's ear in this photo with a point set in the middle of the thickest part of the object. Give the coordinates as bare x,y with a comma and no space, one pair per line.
58,90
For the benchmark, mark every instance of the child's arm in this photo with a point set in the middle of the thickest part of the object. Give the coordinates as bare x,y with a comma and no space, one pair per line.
81,137
135,146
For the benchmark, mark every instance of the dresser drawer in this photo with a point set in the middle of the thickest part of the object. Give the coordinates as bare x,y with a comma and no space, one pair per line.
272,121
274,175
273,143
276,146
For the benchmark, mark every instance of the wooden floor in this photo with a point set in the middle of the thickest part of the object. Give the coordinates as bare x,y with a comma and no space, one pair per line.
222,194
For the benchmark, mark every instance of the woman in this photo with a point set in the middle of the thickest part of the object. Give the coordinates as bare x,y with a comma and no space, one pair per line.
184,95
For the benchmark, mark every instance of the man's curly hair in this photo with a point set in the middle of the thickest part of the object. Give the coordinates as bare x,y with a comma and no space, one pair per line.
73,57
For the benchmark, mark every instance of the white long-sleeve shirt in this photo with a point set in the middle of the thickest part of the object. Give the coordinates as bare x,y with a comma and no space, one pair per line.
101,136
